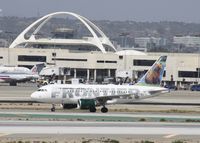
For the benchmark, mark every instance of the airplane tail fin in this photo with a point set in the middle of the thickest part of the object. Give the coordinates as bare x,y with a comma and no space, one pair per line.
155,74
36,69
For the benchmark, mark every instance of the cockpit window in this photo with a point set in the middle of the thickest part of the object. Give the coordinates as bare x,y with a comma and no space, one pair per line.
41,90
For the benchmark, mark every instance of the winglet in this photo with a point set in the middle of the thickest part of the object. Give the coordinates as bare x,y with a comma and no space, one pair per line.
155,74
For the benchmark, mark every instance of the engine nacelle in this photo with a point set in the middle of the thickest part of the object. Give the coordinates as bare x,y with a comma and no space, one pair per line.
86,103
69,106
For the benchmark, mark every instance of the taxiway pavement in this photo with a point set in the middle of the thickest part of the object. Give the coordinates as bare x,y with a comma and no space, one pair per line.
96,128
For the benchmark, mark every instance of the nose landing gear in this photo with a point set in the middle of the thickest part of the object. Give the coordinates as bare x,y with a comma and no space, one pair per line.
53,108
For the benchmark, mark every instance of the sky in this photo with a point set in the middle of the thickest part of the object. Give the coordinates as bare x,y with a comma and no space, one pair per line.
117,10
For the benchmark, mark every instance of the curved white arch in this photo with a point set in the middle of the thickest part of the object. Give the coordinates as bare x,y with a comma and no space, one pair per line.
88,24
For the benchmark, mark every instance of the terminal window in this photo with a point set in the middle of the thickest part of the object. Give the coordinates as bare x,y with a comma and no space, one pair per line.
66,59
111,61
143,62
191,74
100,61
32,58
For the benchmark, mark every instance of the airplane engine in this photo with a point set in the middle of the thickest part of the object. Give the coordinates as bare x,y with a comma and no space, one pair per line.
86,103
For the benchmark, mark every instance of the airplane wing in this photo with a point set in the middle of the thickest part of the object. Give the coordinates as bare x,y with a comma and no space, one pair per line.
103,99
158,91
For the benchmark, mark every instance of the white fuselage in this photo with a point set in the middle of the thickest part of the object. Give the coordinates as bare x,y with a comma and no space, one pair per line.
68,93
16,74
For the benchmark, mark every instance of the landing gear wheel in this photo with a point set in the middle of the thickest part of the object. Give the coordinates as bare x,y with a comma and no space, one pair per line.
93,109
53,108
13,84
104,110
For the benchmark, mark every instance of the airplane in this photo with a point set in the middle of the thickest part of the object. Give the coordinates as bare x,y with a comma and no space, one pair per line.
14,75
89,96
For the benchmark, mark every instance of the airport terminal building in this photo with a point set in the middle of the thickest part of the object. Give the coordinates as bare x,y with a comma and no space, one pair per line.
91,56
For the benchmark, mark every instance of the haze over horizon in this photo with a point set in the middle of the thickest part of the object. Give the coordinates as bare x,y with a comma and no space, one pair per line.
115,10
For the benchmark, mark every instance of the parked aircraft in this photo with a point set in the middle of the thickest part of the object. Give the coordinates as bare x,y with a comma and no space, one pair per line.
89,96
14,75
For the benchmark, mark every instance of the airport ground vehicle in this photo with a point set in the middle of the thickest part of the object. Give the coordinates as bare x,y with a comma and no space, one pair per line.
171,87
195,87
41,82
88,96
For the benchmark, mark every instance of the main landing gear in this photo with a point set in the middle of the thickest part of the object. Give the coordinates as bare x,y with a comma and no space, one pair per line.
53,108
103,109
92,109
